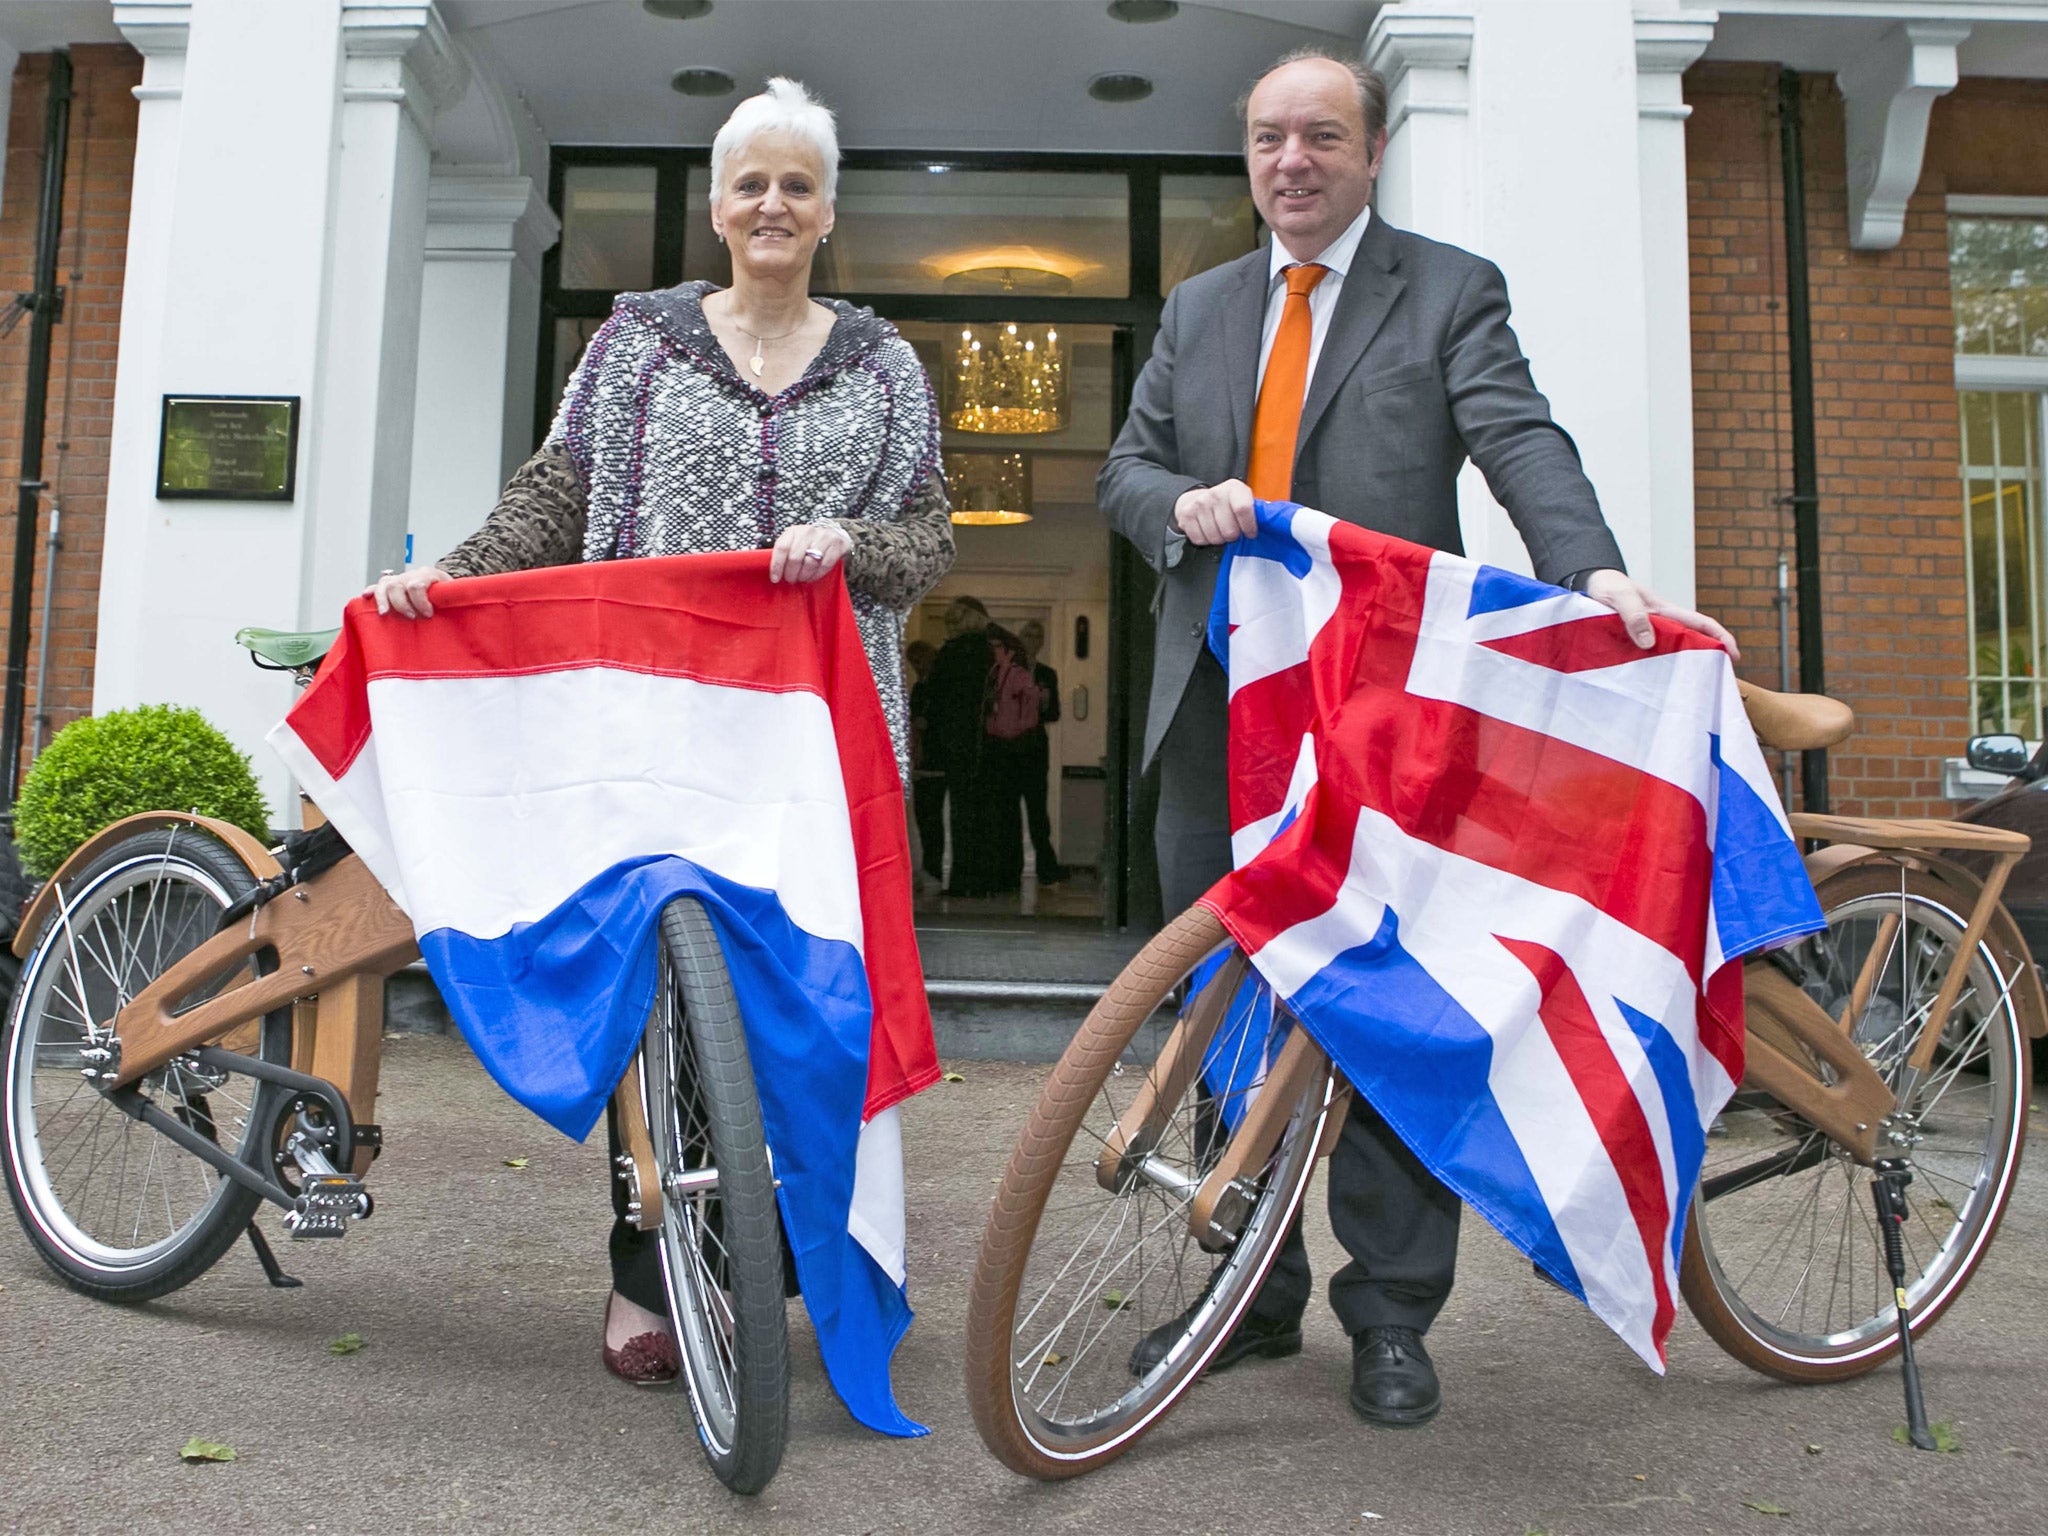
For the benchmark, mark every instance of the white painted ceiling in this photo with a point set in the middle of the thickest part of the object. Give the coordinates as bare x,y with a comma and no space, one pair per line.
901,74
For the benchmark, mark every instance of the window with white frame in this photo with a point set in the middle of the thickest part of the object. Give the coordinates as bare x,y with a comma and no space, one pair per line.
1998,266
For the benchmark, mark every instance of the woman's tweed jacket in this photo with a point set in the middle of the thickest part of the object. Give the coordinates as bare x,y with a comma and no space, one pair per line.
661,448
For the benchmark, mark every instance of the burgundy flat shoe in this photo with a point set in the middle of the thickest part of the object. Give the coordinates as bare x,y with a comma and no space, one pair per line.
646,1360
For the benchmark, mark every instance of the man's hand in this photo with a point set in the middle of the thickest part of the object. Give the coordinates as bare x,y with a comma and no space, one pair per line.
1635,603
1216,514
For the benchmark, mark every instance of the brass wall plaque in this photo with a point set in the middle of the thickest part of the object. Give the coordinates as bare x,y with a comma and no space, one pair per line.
228,448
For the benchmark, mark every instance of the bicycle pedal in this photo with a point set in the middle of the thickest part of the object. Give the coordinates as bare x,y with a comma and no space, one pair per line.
327,1203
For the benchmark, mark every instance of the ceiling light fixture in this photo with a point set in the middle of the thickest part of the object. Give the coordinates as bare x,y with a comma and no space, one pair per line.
989,490
1136,11
701,82
1119,86
690,10
1009,379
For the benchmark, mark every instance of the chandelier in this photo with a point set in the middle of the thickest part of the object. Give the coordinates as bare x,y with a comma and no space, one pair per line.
1007,378
989,488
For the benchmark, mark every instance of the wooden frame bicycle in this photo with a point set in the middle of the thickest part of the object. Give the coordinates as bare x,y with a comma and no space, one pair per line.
1920,984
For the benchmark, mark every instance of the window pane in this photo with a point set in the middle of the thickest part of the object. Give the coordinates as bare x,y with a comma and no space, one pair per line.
571,337
1052,233
2002,510
1204,221
1998,272
608,227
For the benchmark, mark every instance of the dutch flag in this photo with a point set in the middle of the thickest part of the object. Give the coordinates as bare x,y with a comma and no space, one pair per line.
536,771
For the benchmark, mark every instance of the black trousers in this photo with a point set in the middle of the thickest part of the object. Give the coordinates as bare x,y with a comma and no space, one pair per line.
1036,776
1392,1215
928,804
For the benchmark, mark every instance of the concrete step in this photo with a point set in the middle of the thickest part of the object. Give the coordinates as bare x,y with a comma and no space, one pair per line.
973,1019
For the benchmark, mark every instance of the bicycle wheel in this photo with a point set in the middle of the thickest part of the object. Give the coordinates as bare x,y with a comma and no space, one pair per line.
1782,1261
116,1209
1084,1255
721,1237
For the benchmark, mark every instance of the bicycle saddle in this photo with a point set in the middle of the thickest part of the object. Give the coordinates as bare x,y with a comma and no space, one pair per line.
1795,722
283,648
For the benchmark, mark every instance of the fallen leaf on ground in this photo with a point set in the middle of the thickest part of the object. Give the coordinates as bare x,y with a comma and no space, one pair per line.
1765,1507
197,1449
1812,1449
1114,1300
1366,1514
1053,1357
517,1162
952,1077
1946,1440
1640,1478
347,1344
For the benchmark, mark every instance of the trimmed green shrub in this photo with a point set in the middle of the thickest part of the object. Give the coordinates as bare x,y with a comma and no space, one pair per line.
155,757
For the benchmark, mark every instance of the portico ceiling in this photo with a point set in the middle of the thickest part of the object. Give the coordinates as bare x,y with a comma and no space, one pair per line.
901,74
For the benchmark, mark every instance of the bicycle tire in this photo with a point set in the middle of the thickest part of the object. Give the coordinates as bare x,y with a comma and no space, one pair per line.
198,875
721,1249
1019,1440
1737,1321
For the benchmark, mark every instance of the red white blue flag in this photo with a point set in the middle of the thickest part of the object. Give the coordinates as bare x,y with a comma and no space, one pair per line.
537,770
1503,864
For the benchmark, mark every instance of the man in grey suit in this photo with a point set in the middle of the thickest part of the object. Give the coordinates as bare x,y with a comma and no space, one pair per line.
1351,367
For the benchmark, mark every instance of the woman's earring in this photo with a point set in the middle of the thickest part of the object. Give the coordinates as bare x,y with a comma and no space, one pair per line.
824,239
721,237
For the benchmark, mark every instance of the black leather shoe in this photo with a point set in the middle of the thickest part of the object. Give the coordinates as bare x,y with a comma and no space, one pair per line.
1392,1381
1269,1338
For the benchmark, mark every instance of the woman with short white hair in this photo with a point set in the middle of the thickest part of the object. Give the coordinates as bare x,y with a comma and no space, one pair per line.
749,417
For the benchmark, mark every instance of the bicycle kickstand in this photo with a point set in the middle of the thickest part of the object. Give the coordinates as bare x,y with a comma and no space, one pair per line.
272,1270
1888,1189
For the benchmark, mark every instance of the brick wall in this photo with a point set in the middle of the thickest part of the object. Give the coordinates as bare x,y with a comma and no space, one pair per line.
90,264
1886,426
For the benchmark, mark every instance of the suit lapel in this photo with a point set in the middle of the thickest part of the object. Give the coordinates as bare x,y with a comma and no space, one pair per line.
1244,318
1369,291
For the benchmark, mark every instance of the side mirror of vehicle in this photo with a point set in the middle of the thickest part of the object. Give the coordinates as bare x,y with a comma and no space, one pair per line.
1997,754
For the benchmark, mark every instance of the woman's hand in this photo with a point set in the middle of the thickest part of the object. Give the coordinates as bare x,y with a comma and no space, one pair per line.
808,551
405,592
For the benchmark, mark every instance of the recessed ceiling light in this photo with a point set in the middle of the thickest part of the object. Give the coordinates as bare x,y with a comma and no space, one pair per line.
677,10
1117,86
1135,11
701,82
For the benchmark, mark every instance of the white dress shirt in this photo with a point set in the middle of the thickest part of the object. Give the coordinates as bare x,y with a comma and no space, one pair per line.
1322,299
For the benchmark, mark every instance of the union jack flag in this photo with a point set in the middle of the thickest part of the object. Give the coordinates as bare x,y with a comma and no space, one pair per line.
1503,865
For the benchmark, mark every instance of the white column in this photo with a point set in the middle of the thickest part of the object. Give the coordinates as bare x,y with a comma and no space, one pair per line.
398,69
1528,152
274,249
1668,41
479,313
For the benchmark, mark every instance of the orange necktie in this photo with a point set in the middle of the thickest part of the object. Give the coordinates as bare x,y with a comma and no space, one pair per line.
1271,474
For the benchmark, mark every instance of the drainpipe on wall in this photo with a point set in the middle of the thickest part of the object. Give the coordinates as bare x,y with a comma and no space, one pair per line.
44,306
1805,497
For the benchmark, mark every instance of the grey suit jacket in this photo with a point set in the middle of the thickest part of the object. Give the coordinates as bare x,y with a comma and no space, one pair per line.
1419,371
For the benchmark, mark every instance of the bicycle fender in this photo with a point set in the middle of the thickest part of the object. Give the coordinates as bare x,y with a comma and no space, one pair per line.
44,902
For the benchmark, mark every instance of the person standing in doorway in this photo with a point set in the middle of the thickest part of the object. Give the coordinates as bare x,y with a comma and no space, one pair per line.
1035,768
927,765
1352,367
959,711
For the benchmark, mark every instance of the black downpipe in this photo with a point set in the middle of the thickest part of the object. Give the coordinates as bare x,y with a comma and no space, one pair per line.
1805,497
45,305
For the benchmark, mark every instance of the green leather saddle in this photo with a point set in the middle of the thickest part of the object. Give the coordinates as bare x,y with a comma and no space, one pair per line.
286,650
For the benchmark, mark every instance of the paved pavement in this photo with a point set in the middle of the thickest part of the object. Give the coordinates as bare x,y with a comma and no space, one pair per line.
477,1402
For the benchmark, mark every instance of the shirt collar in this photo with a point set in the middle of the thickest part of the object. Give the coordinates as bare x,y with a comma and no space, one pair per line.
1336,255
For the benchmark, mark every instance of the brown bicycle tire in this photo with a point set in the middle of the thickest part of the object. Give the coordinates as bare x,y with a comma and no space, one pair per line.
1035,1164
1696,1278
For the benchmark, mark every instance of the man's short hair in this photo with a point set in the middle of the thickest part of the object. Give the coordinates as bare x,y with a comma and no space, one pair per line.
1372,87
972,604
